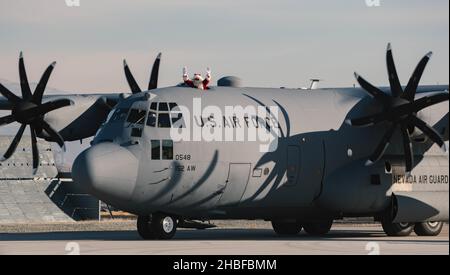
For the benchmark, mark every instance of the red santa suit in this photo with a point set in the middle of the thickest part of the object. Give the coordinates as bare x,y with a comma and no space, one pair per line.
197,82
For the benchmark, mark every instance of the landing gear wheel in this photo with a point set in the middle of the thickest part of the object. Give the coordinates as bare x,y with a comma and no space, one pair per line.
286,228
163,226
397,229
144,228
429,229
318,229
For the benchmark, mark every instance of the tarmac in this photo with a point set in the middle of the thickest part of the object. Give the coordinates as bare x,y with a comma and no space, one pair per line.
238,239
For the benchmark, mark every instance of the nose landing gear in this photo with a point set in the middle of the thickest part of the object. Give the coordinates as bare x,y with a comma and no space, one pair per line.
158,226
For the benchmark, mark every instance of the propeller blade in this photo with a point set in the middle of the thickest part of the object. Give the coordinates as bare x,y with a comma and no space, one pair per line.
135,89
413,84
46,108
34,149
153,84
12,148
8,94
25,86
7,120
372,90
428,101
39,92
396,87
408,148
382,146
429,131
399,111
56,137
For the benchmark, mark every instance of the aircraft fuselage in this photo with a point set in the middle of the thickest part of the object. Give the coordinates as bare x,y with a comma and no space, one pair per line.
230,165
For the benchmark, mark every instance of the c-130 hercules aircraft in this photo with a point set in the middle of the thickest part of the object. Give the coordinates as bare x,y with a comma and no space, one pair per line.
326,153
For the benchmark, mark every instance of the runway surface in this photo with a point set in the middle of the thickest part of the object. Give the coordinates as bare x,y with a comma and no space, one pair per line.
231,241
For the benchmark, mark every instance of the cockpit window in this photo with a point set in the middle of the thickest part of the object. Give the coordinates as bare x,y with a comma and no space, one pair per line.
151,120
167,150
177,120
165,115
119,115
162,149
164,120
177,116
163,107
156,149
136,116
136,132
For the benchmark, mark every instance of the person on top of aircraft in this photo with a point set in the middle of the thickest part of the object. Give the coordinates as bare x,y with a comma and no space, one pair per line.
198,81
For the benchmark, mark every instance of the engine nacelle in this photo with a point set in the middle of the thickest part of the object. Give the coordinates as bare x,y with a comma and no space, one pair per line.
421,197
420,207
81,120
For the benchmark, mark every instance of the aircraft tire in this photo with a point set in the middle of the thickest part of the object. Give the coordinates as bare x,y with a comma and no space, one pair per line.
397,229
144,228
318,229
286,228
163,226
428,229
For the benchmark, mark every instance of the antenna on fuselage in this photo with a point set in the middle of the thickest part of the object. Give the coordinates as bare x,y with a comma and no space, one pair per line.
314,84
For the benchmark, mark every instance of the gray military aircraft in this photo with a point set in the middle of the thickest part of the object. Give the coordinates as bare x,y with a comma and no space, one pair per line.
298,158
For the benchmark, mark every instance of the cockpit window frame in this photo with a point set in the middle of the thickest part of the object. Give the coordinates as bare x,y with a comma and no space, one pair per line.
171,113
139,119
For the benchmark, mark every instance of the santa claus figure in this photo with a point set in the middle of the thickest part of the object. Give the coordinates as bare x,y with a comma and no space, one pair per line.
198,81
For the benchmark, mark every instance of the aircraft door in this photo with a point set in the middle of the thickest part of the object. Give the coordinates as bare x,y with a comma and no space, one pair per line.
311,169
238,177
293,165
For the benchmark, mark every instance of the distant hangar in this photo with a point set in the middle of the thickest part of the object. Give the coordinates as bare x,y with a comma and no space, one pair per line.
48,196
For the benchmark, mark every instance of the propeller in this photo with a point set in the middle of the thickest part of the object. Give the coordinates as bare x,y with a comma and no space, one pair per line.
400,110
29,111
153,83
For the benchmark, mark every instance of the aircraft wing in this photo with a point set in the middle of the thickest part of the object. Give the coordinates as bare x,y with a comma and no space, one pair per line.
111,98
79,120
432,88
422,89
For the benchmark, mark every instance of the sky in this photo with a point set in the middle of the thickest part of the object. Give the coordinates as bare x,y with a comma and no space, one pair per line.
267,43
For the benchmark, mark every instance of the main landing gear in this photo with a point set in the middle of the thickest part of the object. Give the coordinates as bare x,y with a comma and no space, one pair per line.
158,226
292,228
397,229
287,228
427,229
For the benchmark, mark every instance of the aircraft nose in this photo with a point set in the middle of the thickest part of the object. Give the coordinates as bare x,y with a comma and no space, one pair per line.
107,171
